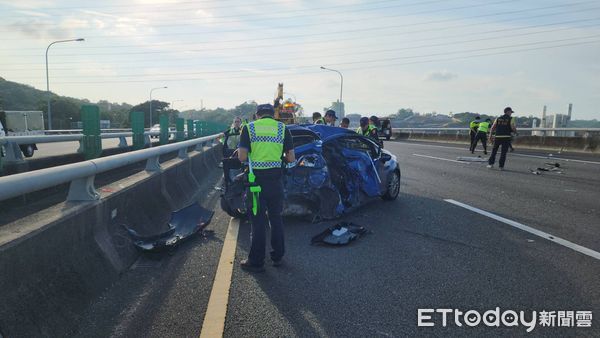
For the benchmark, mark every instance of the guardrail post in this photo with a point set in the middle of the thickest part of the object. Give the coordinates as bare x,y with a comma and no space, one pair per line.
183,153
153,164
12,152
164,129
122,142
92,143
82,189
137,127
179,125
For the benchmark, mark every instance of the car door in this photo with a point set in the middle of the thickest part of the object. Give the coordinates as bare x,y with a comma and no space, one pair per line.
362,154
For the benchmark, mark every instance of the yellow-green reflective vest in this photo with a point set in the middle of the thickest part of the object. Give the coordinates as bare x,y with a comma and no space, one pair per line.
473,125
484,127
266,143
366,132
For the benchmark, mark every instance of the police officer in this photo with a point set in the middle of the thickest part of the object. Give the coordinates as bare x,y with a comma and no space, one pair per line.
367,129
345,123
232,137
263,142
481,136
473,131
330,118
317,119
503,128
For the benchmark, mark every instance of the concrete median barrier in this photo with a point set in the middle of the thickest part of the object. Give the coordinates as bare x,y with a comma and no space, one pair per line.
55,262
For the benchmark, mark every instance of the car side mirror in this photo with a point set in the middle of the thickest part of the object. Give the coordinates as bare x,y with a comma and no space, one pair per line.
385,157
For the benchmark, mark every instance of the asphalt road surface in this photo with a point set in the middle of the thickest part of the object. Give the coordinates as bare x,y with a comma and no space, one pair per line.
460,236
63,148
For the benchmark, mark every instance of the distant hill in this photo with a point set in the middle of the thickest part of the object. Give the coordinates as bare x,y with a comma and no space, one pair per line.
16,96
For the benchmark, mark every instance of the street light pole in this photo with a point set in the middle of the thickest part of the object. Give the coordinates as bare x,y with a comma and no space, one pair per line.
48,80
341,84
151,90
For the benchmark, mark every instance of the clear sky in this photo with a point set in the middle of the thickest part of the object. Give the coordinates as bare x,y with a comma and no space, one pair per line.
428,55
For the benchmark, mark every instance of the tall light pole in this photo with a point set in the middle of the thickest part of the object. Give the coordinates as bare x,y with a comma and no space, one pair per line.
341,84
151,90
48,79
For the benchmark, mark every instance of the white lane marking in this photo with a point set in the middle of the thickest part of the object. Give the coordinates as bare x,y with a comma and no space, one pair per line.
442,159
216,311
557,158
512,154
531,230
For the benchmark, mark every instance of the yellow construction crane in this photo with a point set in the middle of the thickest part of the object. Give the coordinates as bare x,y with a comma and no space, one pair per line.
285,110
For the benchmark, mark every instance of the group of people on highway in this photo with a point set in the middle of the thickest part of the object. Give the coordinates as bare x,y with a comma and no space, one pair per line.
501,131
368,126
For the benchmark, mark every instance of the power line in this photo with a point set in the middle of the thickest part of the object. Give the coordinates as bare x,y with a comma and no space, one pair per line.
370,51
338,64
361,19
361,30
187,10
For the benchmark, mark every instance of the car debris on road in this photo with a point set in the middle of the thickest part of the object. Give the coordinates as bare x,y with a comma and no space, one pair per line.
339,234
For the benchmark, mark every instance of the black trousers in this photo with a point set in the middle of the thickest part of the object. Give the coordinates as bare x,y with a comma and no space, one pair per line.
472,134
269,213
499,142
480,137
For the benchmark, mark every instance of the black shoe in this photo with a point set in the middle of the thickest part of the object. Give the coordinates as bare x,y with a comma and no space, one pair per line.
246,265
485,152
278,262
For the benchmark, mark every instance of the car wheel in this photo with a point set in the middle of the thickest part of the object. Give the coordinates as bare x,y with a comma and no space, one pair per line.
393,188
28,150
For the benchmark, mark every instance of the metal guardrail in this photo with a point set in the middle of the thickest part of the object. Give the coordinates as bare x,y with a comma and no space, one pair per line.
68,137
81,175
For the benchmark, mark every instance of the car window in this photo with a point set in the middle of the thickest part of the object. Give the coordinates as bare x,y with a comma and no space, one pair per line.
362,144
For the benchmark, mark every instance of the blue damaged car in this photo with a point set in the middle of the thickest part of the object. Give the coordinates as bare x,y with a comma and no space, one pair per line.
336,171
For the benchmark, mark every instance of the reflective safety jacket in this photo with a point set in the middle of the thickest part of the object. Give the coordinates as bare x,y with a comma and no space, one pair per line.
366,132
483,127
473,126
266,143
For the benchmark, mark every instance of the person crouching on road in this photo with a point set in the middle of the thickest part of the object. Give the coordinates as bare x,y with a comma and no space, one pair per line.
232,137
482,131
345,123
317,119
503,128
367,129
330,118
473,125
262,143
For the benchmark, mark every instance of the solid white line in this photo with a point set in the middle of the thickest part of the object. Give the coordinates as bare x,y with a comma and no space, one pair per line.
531,230
557,158
442,159
512,154
216,311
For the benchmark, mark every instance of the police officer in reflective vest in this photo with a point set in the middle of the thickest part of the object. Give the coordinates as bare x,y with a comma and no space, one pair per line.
503,128
473,125
263,143
482,130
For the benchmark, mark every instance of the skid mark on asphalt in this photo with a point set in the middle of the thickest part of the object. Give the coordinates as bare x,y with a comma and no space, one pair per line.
216,311
544,235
